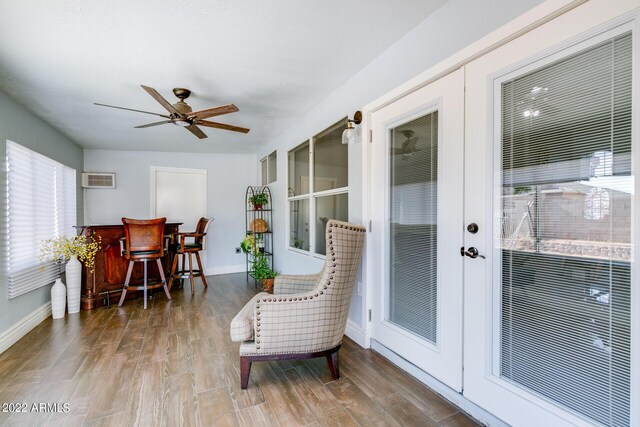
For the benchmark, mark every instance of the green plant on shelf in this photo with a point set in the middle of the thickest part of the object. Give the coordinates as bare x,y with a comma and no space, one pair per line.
261,270
248,245
258,201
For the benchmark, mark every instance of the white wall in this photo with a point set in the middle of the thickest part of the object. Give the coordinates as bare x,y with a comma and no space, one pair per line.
20,125
228,176
455,25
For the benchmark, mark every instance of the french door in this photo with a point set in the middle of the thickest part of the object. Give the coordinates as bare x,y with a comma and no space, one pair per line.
549,181
539,193
418,293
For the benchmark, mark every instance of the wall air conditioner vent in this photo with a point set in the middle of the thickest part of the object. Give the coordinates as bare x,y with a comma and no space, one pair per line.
98,180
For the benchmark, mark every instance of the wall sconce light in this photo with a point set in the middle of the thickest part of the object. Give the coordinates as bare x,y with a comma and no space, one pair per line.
349,134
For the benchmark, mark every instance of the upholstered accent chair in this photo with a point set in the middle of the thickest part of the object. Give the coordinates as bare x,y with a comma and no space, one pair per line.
307,315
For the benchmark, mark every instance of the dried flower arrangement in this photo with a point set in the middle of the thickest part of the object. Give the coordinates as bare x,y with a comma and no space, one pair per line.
62,248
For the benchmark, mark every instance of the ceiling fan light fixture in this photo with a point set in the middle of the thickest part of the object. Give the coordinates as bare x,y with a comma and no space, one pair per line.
349,135
181,123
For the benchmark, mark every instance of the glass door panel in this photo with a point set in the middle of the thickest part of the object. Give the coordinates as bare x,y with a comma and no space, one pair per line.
413,232
565,249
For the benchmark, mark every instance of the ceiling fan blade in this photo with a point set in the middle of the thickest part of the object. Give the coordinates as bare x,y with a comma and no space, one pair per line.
131,109
152,124
196,131
215,111
155,95
221,126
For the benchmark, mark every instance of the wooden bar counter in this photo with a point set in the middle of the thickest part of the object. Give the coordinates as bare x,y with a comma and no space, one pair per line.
111,268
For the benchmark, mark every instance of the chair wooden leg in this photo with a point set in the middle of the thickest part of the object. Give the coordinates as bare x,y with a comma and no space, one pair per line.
334,367
204,280
174,265
245,369
164,280
126,283
144,262
193,280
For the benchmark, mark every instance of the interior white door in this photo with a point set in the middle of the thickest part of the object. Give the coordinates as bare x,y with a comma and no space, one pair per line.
179,194
549,179
417,295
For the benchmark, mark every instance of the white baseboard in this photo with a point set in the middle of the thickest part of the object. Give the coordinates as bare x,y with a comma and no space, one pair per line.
225,269
22,327
445,391
356,333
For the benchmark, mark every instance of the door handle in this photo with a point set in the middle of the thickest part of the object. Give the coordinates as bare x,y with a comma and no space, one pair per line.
471,253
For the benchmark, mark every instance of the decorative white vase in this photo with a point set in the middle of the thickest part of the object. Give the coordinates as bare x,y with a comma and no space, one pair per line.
58,299
73,271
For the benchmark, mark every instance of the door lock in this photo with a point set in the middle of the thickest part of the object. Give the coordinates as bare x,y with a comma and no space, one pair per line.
472,228
471,253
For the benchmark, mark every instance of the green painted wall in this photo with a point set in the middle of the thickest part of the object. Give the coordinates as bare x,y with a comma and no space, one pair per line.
23,127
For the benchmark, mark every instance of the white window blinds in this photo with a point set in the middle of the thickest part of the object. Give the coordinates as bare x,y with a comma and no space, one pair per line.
41,204
567,197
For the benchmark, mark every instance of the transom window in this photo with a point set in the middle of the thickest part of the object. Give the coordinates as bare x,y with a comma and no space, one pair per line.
269,168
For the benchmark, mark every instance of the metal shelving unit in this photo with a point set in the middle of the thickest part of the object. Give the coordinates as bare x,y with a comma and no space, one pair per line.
266,237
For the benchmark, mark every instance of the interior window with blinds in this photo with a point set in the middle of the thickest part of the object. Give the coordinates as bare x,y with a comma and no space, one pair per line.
566,203
413,252
41,204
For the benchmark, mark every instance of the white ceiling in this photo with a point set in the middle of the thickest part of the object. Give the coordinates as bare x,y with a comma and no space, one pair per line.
273,59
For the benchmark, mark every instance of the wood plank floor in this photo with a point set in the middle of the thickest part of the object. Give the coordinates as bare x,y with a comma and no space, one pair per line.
174,364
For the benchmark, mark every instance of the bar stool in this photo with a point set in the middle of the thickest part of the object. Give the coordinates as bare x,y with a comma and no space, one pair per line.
143,242
183,248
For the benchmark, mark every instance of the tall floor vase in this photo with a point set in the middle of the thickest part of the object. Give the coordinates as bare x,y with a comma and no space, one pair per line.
73,272
58,299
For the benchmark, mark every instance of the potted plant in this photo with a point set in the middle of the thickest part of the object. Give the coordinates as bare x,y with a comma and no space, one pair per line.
258,201
248,244
263,272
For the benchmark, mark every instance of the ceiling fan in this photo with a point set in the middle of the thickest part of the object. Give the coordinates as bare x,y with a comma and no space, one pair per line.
181,114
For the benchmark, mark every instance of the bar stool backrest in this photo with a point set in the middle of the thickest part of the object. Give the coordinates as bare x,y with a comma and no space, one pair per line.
144,238
201,228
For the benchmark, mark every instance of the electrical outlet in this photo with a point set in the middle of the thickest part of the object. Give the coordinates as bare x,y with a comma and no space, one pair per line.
359,289
237,250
